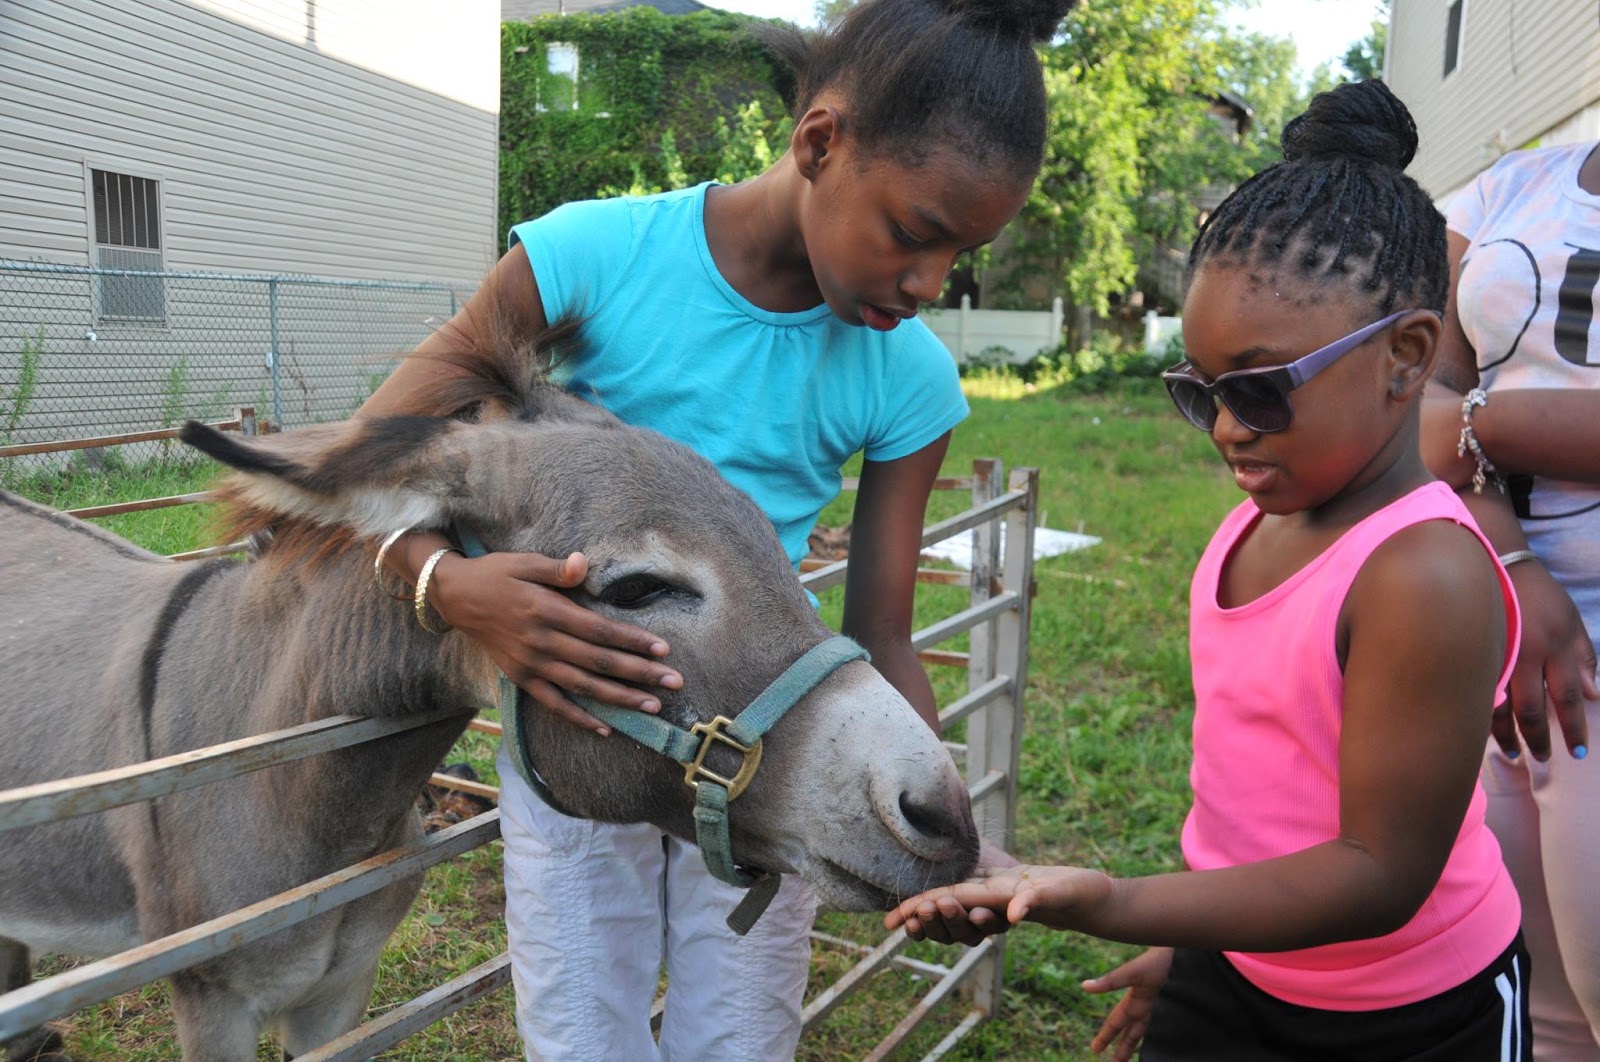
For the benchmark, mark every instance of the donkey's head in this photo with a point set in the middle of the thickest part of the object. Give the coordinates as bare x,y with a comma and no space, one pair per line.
854,792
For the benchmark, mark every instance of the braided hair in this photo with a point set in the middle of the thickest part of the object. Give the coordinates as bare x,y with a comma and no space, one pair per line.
921,74
1339,203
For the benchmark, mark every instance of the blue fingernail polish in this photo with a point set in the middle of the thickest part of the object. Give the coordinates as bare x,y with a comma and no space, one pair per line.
1513,754
1580,752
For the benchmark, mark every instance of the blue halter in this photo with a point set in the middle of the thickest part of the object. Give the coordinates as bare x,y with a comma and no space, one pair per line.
713,792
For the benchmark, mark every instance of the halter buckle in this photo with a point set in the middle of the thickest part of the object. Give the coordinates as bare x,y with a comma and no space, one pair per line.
695,770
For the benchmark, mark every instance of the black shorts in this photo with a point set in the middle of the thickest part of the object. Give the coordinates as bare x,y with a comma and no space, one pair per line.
1207,1010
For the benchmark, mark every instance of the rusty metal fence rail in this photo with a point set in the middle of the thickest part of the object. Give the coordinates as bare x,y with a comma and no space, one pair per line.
996,621
91,351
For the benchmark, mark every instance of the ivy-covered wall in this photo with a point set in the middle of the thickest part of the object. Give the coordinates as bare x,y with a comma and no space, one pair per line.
635,101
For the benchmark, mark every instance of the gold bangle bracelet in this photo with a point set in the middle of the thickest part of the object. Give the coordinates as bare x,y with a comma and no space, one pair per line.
422,589
377,565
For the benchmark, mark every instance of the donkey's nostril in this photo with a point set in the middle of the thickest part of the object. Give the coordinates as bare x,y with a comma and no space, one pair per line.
932,820
928,813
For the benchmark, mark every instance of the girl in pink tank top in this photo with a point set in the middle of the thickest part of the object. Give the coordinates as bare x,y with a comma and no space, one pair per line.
1350,632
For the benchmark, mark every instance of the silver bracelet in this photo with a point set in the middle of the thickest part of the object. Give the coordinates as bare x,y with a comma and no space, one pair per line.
377,565
1468,443
1516,556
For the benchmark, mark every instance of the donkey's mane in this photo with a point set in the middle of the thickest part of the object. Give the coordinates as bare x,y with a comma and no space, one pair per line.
501,373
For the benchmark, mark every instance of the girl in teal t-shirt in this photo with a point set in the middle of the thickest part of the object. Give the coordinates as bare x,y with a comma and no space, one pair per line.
771,326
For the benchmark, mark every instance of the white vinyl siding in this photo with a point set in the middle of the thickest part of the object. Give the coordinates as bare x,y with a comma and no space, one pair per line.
1524,68
275,157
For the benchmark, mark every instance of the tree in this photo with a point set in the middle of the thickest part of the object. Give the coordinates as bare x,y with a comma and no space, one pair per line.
1102,75
1363,60
1132,150
1193,155
828,10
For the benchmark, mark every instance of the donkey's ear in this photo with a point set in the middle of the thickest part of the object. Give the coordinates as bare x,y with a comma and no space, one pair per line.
371,474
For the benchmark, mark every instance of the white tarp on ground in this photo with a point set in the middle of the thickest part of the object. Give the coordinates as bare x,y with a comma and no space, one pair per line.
1047,542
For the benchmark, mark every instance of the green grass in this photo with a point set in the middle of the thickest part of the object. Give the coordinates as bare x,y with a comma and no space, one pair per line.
170,530
1104,774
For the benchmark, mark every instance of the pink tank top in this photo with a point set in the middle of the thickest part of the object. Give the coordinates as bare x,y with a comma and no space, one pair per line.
1268,707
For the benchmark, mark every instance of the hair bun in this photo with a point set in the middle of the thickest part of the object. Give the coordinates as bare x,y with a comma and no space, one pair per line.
1357,120
1036,19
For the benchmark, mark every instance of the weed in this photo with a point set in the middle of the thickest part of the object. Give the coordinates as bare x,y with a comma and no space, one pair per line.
15,404
21,397
175,393
174,401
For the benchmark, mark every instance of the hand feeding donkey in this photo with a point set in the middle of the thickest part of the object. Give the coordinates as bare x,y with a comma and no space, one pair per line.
111,655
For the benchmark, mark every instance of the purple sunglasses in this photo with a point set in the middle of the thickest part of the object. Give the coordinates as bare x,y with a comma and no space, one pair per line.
1258,398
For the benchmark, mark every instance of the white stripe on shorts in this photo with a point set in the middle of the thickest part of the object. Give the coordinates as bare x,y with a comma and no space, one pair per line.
1510,989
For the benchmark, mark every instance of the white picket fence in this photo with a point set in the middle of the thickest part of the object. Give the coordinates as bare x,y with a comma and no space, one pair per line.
1011,337
1159,331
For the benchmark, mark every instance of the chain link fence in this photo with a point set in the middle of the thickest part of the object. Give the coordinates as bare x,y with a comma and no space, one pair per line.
87,352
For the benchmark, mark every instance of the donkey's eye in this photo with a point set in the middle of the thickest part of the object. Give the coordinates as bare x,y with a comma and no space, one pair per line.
635,591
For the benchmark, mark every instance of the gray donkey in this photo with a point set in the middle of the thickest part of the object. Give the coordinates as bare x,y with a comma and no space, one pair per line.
110,655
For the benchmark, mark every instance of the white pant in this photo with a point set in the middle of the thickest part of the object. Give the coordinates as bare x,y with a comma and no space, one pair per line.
1544,815
593,909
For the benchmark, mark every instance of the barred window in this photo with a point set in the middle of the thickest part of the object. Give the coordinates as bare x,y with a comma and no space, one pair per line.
127,239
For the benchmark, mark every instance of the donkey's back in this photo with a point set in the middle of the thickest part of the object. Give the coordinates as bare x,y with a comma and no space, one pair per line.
79,615
81,607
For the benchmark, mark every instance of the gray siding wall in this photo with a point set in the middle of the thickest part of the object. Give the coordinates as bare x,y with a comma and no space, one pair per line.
274,157
1525,67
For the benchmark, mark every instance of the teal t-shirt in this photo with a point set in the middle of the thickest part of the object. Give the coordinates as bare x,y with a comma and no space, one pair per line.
777,401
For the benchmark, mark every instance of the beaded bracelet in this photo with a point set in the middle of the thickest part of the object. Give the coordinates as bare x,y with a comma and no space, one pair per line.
1516,556
1468,443
422,589
377,565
